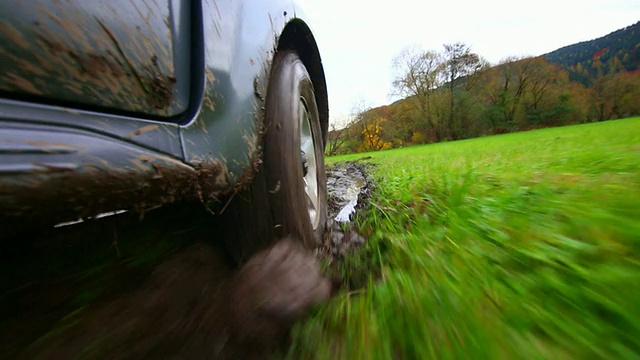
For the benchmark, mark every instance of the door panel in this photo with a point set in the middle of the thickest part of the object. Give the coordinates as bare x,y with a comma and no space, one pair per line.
127,56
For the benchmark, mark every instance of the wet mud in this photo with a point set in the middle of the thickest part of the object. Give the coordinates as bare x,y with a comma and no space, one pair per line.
193,306
165,287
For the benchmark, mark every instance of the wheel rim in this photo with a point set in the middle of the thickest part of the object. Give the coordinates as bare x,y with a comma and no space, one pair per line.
310,179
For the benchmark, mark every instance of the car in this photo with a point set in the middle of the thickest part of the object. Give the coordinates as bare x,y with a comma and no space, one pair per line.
127,105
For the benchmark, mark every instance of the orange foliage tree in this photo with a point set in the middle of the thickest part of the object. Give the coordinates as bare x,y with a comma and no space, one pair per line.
371,135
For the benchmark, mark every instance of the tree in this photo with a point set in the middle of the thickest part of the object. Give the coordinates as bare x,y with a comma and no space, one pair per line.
372,135
461,66
547,101
418,74
367,129
616,96
338,136
516,80
504,88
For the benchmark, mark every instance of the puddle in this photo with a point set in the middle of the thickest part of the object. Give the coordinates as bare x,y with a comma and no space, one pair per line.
347,188
343,252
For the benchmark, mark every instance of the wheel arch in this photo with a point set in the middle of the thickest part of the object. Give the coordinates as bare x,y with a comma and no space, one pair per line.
240,39
298,36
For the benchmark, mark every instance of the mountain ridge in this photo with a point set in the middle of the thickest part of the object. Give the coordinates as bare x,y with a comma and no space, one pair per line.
618,51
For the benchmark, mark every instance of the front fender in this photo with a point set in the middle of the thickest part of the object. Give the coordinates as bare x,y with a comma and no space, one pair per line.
240,39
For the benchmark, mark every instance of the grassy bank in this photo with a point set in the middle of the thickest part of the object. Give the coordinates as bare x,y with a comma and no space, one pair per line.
523,245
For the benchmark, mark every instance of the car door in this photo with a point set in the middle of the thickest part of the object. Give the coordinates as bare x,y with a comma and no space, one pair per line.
127,63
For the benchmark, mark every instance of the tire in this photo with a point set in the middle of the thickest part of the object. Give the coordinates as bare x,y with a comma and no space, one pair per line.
278,203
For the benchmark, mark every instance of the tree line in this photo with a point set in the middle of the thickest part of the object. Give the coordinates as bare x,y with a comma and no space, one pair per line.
455,94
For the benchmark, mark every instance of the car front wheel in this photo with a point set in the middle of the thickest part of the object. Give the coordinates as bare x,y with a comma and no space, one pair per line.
288,195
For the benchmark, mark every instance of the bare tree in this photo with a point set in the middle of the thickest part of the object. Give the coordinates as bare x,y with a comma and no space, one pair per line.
418,74
338,136
460,66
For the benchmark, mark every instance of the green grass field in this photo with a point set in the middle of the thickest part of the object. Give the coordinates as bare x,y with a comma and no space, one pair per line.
523,245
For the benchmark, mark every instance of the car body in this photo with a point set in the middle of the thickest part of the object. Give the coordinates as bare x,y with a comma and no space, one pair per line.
131,104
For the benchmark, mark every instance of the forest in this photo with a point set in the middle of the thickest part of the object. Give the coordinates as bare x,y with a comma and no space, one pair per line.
453,93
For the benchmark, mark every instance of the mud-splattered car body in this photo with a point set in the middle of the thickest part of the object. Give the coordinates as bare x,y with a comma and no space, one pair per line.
130,104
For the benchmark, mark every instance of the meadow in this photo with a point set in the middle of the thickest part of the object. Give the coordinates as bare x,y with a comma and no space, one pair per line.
516,246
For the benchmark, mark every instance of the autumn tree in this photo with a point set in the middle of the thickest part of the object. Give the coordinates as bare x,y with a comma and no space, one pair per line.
367,129
546,102
580,102
505,86
616,96
529,91
372,135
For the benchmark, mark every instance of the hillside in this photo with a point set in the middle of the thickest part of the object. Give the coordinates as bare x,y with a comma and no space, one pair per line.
616,52
590,81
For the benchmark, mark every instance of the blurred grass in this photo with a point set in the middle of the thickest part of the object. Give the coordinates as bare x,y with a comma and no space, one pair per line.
523,245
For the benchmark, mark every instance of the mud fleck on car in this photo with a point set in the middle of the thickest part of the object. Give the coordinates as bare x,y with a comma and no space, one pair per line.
130,104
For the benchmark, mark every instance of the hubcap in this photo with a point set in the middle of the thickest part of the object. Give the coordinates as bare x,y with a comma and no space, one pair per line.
307,148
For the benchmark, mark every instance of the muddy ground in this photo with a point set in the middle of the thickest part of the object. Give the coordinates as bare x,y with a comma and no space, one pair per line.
161,287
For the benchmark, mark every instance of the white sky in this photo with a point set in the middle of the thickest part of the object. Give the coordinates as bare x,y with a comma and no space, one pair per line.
358,38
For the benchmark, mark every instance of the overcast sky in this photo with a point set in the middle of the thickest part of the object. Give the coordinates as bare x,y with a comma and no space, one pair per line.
358,38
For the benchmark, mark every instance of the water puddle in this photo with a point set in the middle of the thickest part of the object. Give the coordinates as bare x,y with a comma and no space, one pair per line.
348,188
347,184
